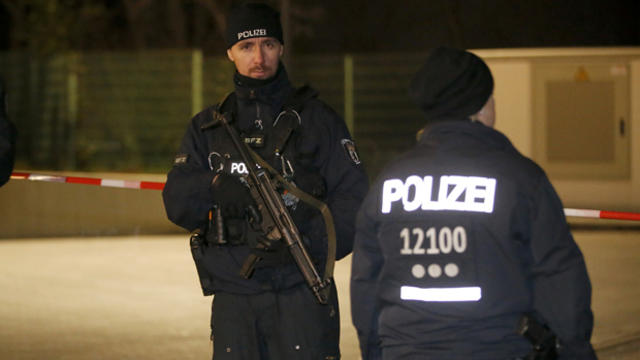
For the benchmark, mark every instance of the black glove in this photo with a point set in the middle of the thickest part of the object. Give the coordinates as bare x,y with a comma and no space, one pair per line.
271,252
231,196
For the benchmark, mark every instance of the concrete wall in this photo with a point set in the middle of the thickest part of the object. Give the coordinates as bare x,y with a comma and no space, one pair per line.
42,209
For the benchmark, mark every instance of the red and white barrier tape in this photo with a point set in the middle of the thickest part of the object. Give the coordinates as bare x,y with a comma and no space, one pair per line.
152,185
602,214
147,185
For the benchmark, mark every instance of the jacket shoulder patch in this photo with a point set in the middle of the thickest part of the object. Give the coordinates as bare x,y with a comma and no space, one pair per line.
181,159
350,149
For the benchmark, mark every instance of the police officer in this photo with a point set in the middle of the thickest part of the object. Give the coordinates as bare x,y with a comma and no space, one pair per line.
462,236
272,314
7,139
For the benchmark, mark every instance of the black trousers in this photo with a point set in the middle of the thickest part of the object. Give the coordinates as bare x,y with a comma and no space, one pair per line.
288,324
413,353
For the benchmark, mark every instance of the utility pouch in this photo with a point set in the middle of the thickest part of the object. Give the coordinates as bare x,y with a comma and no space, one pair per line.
197,242
215,229
221,231
544,341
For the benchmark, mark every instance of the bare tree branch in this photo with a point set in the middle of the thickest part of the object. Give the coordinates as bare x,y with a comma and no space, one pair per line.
177,24
215,10
133,9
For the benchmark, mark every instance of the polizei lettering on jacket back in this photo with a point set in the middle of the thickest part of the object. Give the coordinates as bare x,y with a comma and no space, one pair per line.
252,33
461,193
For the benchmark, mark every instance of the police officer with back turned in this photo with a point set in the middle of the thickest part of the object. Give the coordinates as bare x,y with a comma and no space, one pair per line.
462,249
265,310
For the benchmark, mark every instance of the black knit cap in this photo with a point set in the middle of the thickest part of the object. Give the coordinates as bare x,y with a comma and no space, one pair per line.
452,84
251,20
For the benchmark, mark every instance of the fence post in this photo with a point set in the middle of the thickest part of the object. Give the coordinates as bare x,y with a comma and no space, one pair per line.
72,107
196,81
348,93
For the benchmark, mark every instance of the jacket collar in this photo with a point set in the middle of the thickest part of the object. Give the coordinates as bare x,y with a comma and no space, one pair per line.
271,91
454,129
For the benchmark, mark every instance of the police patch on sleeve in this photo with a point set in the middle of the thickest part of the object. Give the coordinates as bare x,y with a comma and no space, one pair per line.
350,148
180,159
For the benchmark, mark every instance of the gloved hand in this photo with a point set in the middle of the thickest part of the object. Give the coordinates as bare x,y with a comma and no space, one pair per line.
230,195
271,252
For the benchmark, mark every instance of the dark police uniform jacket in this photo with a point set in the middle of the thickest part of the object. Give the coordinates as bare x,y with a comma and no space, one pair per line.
7,140
320,155
457,239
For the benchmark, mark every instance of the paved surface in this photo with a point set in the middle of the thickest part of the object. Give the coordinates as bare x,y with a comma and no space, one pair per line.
138,298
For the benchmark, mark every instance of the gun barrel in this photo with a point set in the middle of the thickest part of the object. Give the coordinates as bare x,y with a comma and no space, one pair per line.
320,288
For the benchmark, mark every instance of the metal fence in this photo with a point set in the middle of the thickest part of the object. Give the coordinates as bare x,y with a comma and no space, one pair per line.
127,111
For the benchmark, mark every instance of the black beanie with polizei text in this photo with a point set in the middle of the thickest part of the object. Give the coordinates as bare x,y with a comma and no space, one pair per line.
252,20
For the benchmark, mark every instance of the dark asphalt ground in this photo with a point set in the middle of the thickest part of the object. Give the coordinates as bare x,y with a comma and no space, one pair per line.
138,298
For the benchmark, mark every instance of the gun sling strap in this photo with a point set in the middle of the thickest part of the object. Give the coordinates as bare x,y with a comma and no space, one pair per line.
319,205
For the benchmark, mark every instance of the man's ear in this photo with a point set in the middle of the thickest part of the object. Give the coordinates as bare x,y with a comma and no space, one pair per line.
281,50
229,55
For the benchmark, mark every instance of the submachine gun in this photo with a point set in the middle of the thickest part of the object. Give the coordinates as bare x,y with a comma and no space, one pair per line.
273,218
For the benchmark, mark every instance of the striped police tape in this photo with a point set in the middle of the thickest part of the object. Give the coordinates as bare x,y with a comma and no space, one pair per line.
127,184
153,185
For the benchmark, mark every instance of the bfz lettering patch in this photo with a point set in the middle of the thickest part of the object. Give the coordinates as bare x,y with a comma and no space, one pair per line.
181,159
350,149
